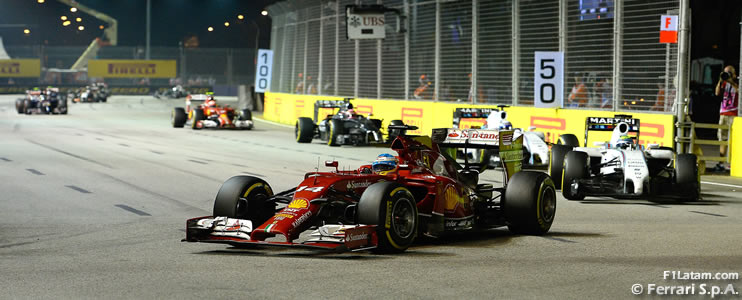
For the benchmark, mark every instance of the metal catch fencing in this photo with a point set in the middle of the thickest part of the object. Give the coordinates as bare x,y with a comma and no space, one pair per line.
480,51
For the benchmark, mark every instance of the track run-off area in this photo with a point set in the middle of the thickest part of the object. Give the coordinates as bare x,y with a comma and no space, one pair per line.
93,205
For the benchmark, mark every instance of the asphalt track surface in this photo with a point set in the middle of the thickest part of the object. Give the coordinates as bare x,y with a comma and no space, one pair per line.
93,205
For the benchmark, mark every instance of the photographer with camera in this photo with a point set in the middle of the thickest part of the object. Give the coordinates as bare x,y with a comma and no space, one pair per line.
727,87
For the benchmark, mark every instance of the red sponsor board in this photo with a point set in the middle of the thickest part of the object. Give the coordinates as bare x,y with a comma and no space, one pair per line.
414,117
468,123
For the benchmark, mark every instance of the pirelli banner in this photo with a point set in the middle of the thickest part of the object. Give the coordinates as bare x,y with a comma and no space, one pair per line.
132,68
20,68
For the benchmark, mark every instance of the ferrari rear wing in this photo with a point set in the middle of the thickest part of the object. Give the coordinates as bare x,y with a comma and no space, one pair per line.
609,124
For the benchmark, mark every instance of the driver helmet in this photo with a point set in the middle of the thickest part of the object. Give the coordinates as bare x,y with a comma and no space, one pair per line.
210,101
505,125
384,164
624,142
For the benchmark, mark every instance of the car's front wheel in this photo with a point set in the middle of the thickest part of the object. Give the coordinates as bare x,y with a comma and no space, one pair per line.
392,208
245,197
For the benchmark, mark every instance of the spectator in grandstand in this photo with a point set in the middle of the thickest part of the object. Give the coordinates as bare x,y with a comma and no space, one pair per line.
480,91
300,85
727,88
659,105
578,95
419,92
311,86
605,89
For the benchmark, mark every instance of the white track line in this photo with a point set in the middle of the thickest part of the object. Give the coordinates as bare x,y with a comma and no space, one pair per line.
722,184
274,123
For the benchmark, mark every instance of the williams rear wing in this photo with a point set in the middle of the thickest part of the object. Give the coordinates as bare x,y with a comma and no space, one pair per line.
496,142
610,123
329,104
468,117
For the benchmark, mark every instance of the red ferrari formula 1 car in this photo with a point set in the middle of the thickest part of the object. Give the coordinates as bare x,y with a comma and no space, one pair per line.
201,111
419,191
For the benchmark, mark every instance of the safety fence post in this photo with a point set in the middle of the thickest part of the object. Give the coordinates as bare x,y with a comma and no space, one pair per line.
515,53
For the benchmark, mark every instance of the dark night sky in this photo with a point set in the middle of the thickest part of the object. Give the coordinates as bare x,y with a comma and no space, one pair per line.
172,20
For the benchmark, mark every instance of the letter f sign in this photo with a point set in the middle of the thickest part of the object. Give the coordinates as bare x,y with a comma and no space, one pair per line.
668,21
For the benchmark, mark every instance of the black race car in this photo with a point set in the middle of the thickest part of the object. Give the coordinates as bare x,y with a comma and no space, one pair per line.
345,127
175,92
42,101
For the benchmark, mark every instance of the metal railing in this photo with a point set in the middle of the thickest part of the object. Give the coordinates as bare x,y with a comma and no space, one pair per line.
686,136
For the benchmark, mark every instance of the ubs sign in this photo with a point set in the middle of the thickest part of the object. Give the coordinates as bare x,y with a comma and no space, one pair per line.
364,22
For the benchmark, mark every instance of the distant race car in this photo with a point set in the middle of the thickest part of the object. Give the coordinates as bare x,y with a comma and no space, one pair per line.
387,205
96,92
42,101
345,127
175,92
536,149
622,168
202,111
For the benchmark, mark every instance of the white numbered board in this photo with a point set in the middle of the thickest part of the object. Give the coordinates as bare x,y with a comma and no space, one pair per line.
263,70
548,74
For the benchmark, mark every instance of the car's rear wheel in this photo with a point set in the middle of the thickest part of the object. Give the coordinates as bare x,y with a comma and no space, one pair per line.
198,115
687,179
392,208
62,108
27,106
575,168
530,203
304,130
178,117
568,140
245,197
246,115
336,129
19,107
556,163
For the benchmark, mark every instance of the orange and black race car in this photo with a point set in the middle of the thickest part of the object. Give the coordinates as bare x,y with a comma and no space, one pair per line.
387,205
201,111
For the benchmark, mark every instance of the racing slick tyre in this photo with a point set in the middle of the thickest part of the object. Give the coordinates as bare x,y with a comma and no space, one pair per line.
394,133
336,129
686,177
245,197
392,208
575,167
568,140
198,115
178,117
62,108
19,107
27,106
246,115
376,123
530,203
556,163
304,130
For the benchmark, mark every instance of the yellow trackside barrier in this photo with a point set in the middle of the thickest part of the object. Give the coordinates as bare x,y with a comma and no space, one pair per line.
735,147
287,108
